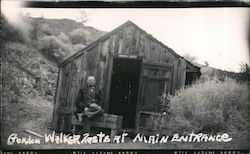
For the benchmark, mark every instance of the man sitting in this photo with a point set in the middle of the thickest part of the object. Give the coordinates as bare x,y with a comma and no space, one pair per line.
88,103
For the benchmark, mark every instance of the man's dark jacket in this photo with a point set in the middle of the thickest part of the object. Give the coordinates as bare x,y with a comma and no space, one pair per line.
86,97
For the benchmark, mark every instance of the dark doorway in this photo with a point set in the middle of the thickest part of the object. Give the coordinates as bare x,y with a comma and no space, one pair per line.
124,89
189,78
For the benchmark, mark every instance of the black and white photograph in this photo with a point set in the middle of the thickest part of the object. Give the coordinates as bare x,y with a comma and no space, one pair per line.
82,78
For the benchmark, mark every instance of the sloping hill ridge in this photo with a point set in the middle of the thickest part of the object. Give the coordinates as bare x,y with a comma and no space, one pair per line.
57,39
66,26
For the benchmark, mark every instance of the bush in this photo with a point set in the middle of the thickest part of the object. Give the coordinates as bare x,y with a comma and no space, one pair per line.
64,38
78,36
78,47
211,106
208,73
54,48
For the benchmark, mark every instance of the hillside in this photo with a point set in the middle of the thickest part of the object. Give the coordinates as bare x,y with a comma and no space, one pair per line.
30,55
66,26
57,39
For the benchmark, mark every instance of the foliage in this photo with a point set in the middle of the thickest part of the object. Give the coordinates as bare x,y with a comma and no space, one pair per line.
64,38
54,48
209,73
77,47
82,16
245,71
206,63
244,68
164,103
77,36
211,106
189,57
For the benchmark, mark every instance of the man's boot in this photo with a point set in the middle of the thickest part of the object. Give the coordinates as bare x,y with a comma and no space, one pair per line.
79,117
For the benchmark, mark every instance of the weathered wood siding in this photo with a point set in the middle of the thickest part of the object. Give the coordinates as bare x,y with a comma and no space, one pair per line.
162,70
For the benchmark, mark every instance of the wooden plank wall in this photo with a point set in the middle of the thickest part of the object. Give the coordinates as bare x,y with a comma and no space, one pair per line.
182,74
99,62
178,74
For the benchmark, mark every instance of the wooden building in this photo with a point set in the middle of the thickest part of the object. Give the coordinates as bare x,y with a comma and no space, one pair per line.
131,67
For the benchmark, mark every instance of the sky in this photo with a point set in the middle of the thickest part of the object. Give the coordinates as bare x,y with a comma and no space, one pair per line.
216,35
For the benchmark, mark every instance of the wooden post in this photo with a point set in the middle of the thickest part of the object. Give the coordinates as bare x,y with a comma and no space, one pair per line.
112,134
108,83
56,103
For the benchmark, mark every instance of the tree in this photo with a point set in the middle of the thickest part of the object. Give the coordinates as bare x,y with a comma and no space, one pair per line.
54,48
206,63
244,67
189,57
245,71
82,17
36,27
78,36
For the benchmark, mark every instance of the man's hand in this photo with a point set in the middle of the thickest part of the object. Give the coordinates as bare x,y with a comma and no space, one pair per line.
94,105
86,109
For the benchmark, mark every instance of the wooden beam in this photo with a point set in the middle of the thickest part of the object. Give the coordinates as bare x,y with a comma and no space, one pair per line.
56,101
157,66
127,56
64,111
108,83
102,121
33,133
156,77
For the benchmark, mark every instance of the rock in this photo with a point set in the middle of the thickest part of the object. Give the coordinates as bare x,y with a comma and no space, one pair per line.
35,66
42,61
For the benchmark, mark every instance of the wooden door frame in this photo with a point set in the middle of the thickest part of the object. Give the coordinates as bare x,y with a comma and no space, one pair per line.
108,83
109,78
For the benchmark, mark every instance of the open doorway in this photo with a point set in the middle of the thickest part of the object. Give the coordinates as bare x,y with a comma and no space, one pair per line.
191,77
124,89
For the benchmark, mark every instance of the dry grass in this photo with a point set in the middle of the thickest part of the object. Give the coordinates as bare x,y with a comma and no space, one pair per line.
32,114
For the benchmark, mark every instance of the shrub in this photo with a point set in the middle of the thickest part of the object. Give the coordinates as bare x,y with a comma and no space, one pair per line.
77,47
64,38
211,106
208,73
78,36
54,48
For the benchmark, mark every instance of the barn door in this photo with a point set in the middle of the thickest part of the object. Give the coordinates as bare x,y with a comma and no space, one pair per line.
155,80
